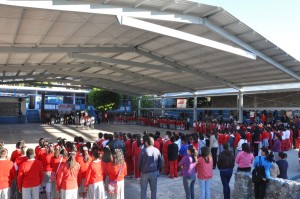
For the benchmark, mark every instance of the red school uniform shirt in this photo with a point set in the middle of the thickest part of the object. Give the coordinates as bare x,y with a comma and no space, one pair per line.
165,147
135,149
67,178
265,135
54,162
40,153
7,173
237,139
128,148
94,173
83,165
30,174
46,160
113,172
15,154
249,137
19,161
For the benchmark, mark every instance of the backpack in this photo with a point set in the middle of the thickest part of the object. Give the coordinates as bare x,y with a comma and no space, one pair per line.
258,173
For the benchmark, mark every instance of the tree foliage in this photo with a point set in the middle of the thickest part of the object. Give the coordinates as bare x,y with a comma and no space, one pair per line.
145,103
104,100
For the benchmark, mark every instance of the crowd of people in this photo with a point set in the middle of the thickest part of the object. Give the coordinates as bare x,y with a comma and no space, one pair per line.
97,169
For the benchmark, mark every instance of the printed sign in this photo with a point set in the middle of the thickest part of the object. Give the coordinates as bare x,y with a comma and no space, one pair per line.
181,103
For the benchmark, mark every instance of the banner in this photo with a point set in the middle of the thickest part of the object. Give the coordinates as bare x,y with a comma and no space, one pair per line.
66,108
181,103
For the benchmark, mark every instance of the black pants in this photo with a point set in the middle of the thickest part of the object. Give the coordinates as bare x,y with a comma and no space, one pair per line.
255,149
214,151
260,189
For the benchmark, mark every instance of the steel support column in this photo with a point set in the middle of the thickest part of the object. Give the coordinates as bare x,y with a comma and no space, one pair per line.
240,106
139,106
195,109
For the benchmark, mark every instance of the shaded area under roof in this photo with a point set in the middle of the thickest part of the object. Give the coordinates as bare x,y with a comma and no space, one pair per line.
85,43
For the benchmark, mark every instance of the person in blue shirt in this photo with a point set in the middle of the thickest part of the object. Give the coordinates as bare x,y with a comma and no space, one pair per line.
184,147
266,161
283,165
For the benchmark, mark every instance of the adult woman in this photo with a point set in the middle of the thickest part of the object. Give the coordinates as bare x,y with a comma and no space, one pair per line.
117,173
46,160
213,145
189,171
264,160
225,165
68,177
84,161
204,168
283,165
244,159
94,179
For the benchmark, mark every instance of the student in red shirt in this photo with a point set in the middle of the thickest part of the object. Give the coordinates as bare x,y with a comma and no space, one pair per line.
7,174
84,161
30,176
165,153
55,163
128,158
117,173
46,160
106,164
17,153
94,178
136,150
68,177
41,144
100,140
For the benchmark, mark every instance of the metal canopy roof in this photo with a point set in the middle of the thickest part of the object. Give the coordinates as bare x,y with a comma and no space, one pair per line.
136,47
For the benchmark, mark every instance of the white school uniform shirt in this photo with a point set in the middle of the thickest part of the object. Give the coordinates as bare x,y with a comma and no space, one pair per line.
287,134
283,135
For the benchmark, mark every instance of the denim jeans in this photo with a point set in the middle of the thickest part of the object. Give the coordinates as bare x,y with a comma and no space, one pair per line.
150,178
204,188
225,178
189,184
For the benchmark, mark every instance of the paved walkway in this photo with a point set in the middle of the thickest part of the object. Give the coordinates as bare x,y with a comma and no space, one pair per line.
167,188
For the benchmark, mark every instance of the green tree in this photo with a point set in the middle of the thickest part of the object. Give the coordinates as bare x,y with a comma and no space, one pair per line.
145,103
104,100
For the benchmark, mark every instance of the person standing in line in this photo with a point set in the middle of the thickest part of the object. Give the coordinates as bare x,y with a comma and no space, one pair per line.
188,164
225,165
264,160
213,145
46,160
150,162
94,179
7,174
55,164
136,150
244,159
283,165
173,158
30,176
276,146
204,168
68,177
166,143
84,161
117,173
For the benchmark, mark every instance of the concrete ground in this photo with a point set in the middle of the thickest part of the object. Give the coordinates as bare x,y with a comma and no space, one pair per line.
167,188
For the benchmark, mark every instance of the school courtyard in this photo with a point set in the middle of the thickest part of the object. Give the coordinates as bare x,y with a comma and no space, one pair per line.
167,188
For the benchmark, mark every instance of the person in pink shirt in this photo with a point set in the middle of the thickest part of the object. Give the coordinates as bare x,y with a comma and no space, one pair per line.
204,168
244,159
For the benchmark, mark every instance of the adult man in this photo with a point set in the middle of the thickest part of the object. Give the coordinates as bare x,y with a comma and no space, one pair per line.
150,162
7,174
30,176
116,143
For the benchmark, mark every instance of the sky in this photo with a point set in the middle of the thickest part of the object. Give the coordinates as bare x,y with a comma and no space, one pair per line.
276,20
